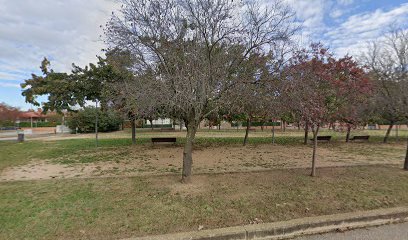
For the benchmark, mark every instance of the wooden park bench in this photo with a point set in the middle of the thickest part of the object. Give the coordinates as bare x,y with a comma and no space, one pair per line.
362,138
164,140
322,138
167,129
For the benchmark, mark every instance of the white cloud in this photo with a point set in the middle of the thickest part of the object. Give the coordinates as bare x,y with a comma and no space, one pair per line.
68,31
12,75
310,11
312,14
63,31
13,85
336,13
345,2
351,35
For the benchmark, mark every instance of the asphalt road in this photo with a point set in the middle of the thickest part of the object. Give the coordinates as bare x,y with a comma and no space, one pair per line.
386,232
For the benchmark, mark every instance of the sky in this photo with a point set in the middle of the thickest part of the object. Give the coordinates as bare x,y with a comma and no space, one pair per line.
68,31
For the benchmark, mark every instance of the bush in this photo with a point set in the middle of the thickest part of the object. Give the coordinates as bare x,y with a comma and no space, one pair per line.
84,120
7,123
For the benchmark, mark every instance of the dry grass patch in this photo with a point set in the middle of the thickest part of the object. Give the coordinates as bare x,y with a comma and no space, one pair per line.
167,159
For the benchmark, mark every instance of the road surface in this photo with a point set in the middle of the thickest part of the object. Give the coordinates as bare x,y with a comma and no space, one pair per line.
386,232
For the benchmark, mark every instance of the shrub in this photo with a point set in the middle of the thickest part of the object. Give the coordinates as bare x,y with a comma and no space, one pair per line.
84,120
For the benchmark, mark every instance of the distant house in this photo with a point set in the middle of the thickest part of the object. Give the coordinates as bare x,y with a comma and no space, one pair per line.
35,117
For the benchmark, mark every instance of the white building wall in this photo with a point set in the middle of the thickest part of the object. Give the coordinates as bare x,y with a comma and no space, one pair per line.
160,121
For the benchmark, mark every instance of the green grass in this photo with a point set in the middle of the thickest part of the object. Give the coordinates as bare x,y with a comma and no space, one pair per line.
13,154
108,208
112,208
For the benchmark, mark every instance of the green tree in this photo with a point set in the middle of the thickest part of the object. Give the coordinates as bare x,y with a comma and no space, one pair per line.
68,91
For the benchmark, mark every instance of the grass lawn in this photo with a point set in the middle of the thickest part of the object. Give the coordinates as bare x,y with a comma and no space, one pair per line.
111,208
232,185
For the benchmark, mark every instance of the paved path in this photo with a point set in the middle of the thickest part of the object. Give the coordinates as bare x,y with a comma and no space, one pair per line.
386,232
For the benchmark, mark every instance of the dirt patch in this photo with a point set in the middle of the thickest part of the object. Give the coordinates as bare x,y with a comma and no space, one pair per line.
165,159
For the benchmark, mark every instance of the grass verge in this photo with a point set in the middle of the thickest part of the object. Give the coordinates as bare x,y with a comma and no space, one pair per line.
112,208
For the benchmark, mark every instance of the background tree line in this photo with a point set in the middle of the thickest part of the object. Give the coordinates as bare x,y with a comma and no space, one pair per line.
191,60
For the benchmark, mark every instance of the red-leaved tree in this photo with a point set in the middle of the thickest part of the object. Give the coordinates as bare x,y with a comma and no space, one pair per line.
320,88
8,114
353,89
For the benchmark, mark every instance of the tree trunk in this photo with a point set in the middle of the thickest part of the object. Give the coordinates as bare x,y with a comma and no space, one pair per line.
406,158
96,124
273,133
181,125
247,130
133,125
348,133
151,123
315,132
388,132
306,134
188,152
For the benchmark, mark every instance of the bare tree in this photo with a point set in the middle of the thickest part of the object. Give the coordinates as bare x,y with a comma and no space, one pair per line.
194,49
387,59
249,98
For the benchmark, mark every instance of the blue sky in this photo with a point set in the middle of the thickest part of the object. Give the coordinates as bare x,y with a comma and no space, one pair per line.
67,31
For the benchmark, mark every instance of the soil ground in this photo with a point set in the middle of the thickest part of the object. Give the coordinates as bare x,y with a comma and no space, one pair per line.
166,159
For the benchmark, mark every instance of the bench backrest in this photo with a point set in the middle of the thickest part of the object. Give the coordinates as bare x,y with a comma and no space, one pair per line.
361,137
168,139
323,137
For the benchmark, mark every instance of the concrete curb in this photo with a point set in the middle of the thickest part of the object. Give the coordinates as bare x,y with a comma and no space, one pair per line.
294,228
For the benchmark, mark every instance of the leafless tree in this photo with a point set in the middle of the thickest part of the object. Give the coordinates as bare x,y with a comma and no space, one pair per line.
249,97
194,49
387,59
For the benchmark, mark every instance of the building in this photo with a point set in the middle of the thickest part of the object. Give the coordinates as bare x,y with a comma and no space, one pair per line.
33,118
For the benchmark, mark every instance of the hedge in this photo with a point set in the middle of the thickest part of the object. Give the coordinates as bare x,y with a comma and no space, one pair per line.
39,124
